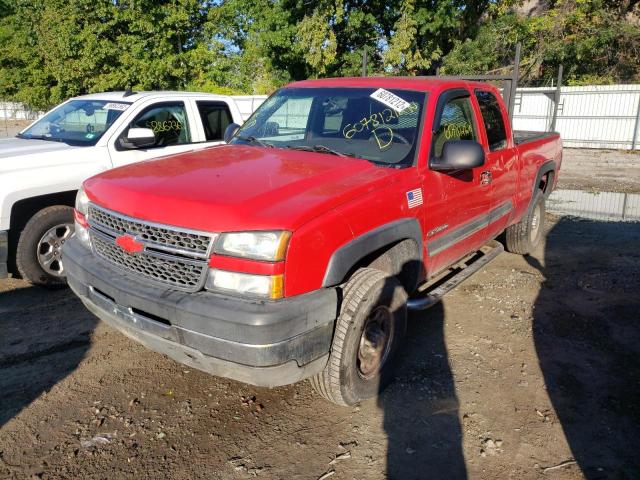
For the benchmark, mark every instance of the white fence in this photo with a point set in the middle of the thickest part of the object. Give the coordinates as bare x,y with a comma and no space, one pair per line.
247,104
16,111
603,116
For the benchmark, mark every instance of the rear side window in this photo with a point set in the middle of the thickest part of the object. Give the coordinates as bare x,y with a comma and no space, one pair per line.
456,123
216,117
493,121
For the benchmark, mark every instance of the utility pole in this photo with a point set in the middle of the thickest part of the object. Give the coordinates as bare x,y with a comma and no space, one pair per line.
556,99
515,76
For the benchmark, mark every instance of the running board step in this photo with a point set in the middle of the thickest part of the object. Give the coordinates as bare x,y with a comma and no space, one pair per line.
432,291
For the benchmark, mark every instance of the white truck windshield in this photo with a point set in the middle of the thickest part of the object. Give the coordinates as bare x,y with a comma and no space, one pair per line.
78,122
378,125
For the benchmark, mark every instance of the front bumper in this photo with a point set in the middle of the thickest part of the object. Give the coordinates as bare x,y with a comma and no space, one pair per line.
4,253
257,342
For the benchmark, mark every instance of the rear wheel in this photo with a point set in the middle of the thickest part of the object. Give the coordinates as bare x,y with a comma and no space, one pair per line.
524,236
38,256
369,329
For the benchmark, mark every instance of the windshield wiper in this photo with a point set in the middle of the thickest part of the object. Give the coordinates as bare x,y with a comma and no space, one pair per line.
252,139
321,149
39,137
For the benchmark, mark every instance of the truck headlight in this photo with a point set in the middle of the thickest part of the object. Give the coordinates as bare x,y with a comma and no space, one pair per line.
81,227
267,286
82,202
269,246
81,232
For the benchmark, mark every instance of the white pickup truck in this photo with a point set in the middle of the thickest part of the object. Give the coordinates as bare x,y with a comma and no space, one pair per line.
43,166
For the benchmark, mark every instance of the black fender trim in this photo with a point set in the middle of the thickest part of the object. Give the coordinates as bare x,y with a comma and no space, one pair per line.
548,166
352,252
4,253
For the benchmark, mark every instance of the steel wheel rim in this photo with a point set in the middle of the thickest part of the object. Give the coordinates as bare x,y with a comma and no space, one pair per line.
49,249
535,223
375,342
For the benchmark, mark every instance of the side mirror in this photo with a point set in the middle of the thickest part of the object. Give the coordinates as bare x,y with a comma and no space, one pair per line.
230,132
458,155
140,138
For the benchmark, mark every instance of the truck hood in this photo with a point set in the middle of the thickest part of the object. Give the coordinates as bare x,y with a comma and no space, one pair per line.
21,154
236,187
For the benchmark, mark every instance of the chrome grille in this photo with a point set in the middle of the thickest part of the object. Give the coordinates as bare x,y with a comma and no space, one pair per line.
167,258
176,240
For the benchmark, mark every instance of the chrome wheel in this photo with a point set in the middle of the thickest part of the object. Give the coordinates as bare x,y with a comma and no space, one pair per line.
375,342
49,248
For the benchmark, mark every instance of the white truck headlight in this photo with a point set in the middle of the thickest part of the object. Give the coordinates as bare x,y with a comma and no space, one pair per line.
269,246
82,202
268,286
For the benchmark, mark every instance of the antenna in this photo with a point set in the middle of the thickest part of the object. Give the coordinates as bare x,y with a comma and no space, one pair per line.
128,92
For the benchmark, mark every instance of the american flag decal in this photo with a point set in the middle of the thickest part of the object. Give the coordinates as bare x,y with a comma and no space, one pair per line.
414,197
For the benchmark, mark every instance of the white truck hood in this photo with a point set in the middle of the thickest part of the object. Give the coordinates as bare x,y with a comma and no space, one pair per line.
23,154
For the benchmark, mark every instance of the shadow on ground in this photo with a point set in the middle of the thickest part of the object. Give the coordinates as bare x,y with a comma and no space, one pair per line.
45,335
421,418
586,330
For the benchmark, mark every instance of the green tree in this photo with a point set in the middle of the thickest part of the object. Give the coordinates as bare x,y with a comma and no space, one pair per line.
59,48
595,41
53,49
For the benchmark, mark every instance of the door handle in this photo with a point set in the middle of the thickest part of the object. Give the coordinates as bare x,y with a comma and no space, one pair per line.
486,177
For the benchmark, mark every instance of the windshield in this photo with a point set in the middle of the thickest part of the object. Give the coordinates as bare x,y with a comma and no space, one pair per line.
378,125
78,122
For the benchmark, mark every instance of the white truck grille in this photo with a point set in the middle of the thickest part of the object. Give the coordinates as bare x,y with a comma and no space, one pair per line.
170,256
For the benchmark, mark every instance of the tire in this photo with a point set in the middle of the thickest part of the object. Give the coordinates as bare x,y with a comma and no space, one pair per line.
39,245
375,301
524,236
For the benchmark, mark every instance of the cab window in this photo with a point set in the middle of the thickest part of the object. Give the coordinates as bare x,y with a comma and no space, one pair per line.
456,123
216,117
168,121
493,120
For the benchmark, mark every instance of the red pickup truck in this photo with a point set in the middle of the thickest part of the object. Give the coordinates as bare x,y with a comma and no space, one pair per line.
295,250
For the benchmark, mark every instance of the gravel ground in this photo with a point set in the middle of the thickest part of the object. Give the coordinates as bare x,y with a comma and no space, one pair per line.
600,170
528,370
9,128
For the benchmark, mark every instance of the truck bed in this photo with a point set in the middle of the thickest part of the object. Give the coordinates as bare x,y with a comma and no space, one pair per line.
524,136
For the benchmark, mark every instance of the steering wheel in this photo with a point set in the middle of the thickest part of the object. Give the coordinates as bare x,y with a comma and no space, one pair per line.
395,135
401,138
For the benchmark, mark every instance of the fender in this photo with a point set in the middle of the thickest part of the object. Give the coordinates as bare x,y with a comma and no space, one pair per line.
352,252
548,166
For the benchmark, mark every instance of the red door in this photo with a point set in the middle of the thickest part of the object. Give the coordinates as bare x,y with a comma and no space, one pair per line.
501,159
457,203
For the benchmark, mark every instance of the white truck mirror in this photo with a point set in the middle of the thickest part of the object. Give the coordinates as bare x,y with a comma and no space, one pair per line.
140,137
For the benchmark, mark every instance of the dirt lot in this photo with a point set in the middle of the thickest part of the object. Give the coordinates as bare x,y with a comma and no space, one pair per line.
8,128
600,170
528,370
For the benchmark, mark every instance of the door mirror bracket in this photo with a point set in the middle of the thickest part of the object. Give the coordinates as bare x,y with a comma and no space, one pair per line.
230,131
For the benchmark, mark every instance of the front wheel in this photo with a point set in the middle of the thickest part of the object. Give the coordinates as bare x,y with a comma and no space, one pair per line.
38,254
369,329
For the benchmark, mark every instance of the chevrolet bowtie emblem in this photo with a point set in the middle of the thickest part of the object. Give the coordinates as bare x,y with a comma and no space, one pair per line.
129,244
